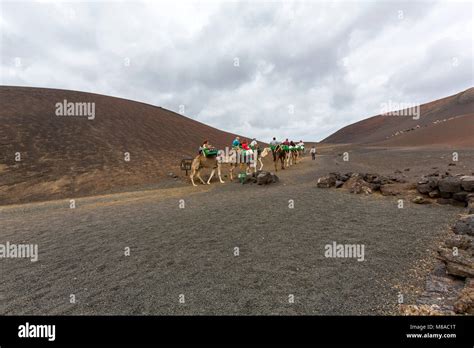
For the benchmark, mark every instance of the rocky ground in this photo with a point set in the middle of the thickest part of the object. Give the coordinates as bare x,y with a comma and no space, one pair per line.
230,248
449,287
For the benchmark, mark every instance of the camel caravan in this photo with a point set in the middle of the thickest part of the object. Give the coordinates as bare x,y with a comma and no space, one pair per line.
243,155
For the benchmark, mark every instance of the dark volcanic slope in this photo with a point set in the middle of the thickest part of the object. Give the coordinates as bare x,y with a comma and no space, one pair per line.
382,128
55,150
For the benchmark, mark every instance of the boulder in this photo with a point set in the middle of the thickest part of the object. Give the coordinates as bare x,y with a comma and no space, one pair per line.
326,181
445,194
467,183
460,196
265,178
465,225
460,241
356,184
449,184
461,265
465,302
427,184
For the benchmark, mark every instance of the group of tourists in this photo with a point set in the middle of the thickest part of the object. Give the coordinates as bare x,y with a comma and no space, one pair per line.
246,155
244,145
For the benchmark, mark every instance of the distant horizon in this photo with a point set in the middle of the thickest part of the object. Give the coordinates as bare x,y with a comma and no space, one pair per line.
221,129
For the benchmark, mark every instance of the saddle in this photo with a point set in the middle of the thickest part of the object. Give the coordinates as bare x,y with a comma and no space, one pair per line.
210,152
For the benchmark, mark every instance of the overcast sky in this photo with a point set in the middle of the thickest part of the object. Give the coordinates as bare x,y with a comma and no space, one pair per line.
285,69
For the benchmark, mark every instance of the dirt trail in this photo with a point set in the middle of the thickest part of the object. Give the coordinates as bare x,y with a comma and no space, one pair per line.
190,250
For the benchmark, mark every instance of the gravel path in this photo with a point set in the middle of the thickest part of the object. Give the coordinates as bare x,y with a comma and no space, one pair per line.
190,250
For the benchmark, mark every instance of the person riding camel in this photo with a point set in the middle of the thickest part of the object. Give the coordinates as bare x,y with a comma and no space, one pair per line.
274,143
254,144
286,145
207,149
236,143
245,145
203,146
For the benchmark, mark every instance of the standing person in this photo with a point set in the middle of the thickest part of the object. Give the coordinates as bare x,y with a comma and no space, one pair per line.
313,152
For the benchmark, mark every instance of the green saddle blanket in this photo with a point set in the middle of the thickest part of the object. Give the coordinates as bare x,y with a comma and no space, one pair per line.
210,152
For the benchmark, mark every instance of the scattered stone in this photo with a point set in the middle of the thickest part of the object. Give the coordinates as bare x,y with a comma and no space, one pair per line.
265,178
434,194
339,183
427,184
356,184
419,200
326,181
460,241
461,265
465,225
465,302
451,164
467,183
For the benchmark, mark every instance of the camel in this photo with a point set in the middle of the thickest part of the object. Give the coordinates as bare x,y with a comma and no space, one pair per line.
278,155
201,161
294,155
288,158
243,160
300,151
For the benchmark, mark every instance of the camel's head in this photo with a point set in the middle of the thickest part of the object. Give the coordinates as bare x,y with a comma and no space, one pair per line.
265,151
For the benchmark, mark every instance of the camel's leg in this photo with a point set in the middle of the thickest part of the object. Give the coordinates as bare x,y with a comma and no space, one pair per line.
231,172
210,176
219,174
198,174
193,172
261,164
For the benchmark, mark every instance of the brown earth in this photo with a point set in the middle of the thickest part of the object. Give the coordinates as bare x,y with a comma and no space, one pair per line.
74,156
448,121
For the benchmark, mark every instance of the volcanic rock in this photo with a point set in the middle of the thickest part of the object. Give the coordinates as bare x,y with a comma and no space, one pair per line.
449,184
465,225
467,183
